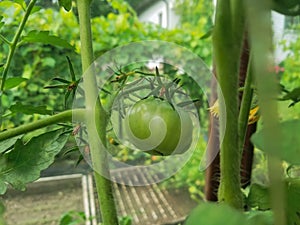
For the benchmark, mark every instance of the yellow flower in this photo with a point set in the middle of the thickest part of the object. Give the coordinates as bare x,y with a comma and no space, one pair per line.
253,114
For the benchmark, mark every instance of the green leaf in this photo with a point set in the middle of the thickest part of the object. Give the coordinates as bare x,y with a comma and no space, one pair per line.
127,220
1,22
67,4
8,143
13,82
48,61
293,200
24,163
72,218
45,38
260,217
71,69
58,86
207,35
259,197
35,9
22,3
290,141
293,95
215,214
29,109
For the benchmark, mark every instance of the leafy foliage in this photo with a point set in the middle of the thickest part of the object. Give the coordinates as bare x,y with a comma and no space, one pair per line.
8,143
13,82
72,218
24,162
44,45
289,144
259,198
205,214
67,4
215,214
29,109
45,38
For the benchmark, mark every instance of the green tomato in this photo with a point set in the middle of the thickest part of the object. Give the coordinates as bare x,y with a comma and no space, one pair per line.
155,126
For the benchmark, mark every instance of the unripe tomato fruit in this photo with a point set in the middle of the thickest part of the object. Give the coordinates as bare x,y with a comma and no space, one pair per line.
155,126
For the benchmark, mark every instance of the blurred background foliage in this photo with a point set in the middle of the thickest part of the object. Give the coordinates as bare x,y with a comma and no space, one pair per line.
114,23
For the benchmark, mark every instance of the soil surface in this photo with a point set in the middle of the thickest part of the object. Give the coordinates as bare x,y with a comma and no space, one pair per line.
43,203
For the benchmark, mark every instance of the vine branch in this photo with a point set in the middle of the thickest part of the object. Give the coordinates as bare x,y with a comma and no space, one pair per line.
54,119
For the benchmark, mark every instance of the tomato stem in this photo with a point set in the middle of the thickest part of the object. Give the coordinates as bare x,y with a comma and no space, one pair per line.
96,119
245,107
228,39
51,120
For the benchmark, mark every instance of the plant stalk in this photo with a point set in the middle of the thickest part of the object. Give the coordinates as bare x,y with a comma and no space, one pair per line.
245,107
96,120
54,119
267,88
5,40
13,44
228,39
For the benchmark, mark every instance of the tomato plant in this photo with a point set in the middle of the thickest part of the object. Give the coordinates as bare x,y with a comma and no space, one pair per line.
157,127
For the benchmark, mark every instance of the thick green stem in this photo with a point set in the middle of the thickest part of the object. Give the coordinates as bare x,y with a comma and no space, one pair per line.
54,119
267,88
96,120
245,107
227,43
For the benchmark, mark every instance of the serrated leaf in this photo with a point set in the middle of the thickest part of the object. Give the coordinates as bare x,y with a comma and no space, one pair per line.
259,197
45,38
215,214
8,143
24,163
290,141
67,4
13,82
